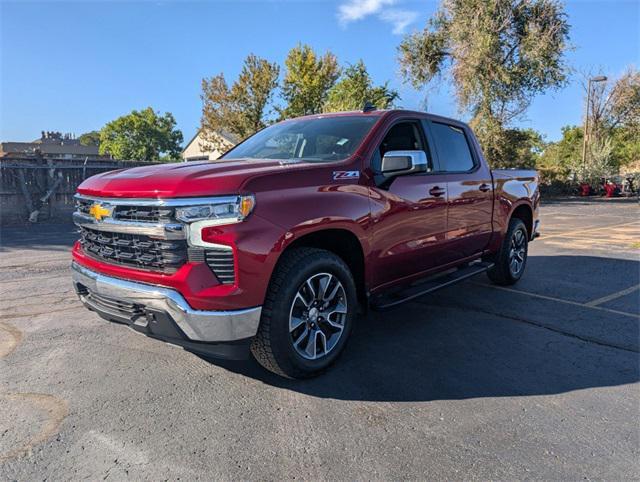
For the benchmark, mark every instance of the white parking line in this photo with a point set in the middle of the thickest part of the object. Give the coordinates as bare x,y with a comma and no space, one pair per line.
612,296
559,300
587,230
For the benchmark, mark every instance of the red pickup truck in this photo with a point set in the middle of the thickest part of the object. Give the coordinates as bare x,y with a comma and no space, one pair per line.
279,245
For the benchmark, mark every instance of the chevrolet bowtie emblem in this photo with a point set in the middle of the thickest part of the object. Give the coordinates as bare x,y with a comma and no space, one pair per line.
98,211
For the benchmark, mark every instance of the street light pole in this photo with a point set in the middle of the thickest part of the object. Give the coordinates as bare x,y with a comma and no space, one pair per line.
600,78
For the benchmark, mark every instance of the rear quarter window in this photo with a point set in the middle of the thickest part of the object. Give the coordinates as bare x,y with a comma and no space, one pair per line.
453,148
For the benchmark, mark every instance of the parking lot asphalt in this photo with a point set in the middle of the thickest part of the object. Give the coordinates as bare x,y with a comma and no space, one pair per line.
538,380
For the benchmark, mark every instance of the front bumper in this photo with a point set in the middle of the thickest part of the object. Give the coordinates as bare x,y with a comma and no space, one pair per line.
163,313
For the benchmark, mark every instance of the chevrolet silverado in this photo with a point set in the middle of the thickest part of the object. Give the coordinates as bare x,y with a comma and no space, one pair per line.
275,248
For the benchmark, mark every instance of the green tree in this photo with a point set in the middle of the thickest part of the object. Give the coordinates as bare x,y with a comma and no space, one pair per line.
142,136
243,108
355,88
91,138
606,154
499,53
557,159
626,146
307,81
597,164
521,148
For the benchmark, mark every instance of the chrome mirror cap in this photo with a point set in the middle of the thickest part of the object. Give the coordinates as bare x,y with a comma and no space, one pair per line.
402,163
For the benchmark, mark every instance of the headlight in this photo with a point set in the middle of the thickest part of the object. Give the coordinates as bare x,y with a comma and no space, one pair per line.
225,210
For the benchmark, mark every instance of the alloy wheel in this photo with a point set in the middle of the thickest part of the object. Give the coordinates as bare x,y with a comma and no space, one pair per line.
517,252
317,316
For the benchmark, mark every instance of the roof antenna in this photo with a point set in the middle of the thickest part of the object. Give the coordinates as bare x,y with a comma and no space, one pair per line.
368,107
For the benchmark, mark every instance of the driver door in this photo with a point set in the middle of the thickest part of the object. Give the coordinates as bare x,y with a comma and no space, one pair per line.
409,214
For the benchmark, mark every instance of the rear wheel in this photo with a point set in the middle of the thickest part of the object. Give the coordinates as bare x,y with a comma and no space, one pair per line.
308,314
511,260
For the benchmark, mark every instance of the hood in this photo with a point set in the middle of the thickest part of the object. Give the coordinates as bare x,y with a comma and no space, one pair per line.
185,179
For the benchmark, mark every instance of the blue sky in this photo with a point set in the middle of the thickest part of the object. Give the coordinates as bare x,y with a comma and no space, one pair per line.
72,66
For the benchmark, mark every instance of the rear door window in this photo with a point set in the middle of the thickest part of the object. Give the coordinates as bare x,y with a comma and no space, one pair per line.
453,148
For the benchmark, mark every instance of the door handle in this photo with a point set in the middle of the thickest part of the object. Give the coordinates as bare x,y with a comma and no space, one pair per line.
484,187
436,191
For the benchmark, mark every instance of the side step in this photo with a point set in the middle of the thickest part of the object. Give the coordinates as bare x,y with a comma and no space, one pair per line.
390,300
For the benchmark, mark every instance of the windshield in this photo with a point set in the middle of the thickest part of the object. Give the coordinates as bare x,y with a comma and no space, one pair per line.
319,139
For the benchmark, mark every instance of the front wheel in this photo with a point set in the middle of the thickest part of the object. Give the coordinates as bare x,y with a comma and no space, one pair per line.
512,257
308,314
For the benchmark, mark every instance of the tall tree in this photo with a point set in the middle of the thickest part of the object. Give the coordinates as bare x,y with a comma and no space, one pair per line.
355,88
142,136
499,53
91,138
307,81
615,103
522,147
243,108
614,115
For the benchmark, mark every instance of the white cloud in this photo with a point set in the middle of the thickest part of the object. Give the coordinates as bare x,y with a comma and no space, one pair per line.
358,9
354,10
399,19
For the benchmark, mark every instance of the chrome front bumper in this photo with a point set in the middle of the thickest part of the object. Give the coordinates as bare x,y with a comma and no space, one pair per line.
109,296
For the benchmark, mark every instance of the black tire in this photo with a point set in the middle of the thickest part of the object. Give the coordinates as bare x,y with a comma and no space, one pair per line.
273,346
503,272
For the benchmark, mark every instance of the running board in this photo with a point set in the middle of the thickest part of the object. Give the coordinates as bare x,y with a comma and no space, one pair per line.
391,300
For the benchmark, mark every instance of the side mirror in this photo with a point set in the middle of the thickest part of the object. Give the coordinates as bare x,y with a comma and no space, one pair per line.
401,163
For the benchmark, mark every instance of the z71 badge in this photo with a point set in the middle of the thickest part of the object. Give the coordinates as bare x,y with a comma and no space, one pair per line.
345,175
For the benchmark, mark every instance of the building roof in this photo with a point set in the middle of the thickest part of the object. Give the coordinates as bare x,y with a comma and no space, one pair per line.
227,136
48,148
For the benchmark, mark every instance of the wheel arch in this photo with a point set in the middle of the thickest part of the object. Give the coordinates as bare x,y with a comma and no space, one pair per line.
524,212
341,241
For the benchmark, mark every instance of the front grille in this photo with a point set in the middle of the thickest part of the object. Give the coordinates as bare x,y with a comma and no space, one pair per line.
143,251
222,264
196,255
134,250
83,205
140,214
144,214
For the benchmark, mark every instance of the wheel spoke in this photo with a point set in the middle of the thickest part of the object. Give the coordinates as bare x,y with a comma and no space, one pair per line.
311,289
310,349
340,309
300,296
301,337
323,341
334,323
334,291
324,283
295,322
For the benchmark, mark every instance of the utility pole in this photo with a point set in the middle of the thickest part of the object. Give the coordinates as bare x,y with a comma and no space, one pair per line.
600,78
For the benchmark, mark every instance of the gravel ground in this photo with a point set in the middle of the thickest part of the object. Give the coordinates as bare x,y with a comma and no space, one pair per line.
473,382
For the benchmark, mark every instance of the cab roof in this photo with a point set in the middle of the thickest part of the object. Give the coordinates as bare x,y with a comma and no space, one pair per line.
383,113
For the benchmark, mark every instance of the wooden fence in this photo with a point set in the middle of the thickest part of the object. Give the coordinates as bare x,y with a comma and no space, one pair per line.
41,190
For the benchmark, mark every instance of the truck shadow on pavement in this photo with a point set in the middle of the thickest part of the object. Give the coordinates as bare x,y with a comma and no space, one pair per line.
40,237
473,340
